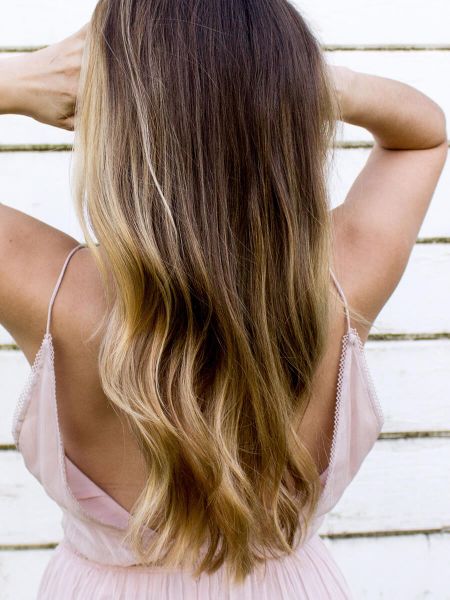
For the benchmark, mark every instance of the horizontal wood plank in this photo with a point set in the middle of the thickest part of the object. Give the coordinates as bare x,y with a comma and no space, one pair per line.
400,567
20,130
412,380
39,183
43,22
27,514
347,22
422,70
403,485
413,384
420,302
350,22
419,305
348,163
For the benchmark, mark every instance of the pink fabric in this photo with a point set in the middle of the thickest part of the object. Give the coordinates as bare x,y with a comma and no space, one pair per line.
93,563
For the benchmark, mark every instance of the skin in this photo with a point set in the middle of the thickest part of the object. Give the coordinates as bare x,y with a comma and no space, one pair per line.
375,230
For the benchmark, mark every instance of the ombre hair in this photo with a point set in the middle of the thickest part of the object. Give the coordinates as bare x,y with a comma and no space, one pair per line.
201,136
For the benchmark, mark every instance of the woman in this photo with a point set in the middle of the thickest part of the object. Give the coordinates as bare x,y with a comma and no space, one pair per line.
199,398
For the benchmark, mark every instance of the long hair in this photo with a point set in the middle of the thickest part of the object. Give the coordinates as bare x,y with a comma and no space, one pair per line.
201,137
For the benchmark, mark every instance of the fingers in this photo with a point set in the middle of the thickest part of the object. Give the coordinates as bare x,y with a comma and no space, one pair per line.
69,124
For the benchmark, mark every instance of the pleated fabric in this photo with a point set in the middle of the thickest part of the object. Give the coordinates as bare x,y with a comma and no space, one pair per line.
310,574
93,562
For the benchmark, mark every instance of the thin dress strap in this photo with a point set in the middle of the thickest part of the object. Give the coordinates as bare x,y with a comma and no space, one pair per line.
58,283
344,299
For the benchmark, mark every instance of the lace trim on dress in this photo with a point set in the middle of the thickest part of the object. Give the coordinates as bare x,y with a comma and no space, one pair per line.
352,336
25,395
337,411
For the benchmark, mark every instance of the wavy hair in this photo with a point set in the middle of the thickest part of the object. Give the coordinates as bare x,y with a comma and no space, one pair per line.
201,137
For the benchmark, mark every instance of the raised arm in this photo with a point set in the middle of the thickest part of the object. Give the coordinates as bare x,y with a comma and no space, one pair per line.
43,85
377,225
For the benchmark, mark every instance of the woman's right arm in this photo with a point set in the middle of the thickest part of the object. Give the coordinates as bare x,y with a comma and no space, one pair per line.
377,225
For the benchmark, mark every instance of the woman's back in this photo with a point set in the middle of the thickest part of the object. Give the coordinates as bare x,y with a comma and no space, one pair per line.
90,427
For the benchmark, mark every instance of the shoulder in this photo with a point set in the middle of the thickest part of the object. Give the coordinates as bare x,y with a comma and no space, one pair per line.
32,254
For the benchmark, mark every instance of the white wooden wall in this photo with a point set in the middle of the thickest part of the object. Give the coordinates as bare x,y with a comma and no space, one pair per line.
391,531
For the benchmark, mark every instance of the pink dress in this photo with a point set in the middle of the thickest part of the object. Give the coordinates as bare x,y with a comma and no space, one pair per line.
92,563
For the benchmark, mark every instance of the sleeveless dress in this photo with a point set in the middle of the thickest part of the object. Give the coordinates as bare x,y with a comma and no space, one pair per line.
92,563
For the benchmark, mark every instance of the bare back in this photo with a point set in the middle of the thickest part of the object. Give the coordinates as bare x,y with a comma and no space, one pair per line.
100,443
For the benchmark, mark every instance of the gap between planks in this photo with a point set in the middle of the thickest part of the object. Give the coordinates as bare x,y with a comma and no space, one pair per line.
10,148
342,145
373,337
385,435
330,536
325,48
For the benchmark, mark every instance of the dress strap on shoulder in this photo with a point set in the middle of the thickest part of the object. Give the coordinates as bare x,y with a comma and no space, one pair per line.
58,283
344,299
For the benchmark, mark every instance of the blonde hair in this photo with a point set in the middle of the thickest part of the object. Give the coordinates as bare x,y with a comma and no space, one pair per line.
201,138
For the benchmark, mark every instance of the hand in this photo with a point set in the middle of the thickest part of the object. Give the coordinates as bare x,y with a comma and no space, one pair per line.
49,81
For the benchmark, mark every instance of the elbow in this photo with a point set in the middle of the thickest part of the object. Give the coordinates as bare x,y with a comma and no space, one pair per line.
441,135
